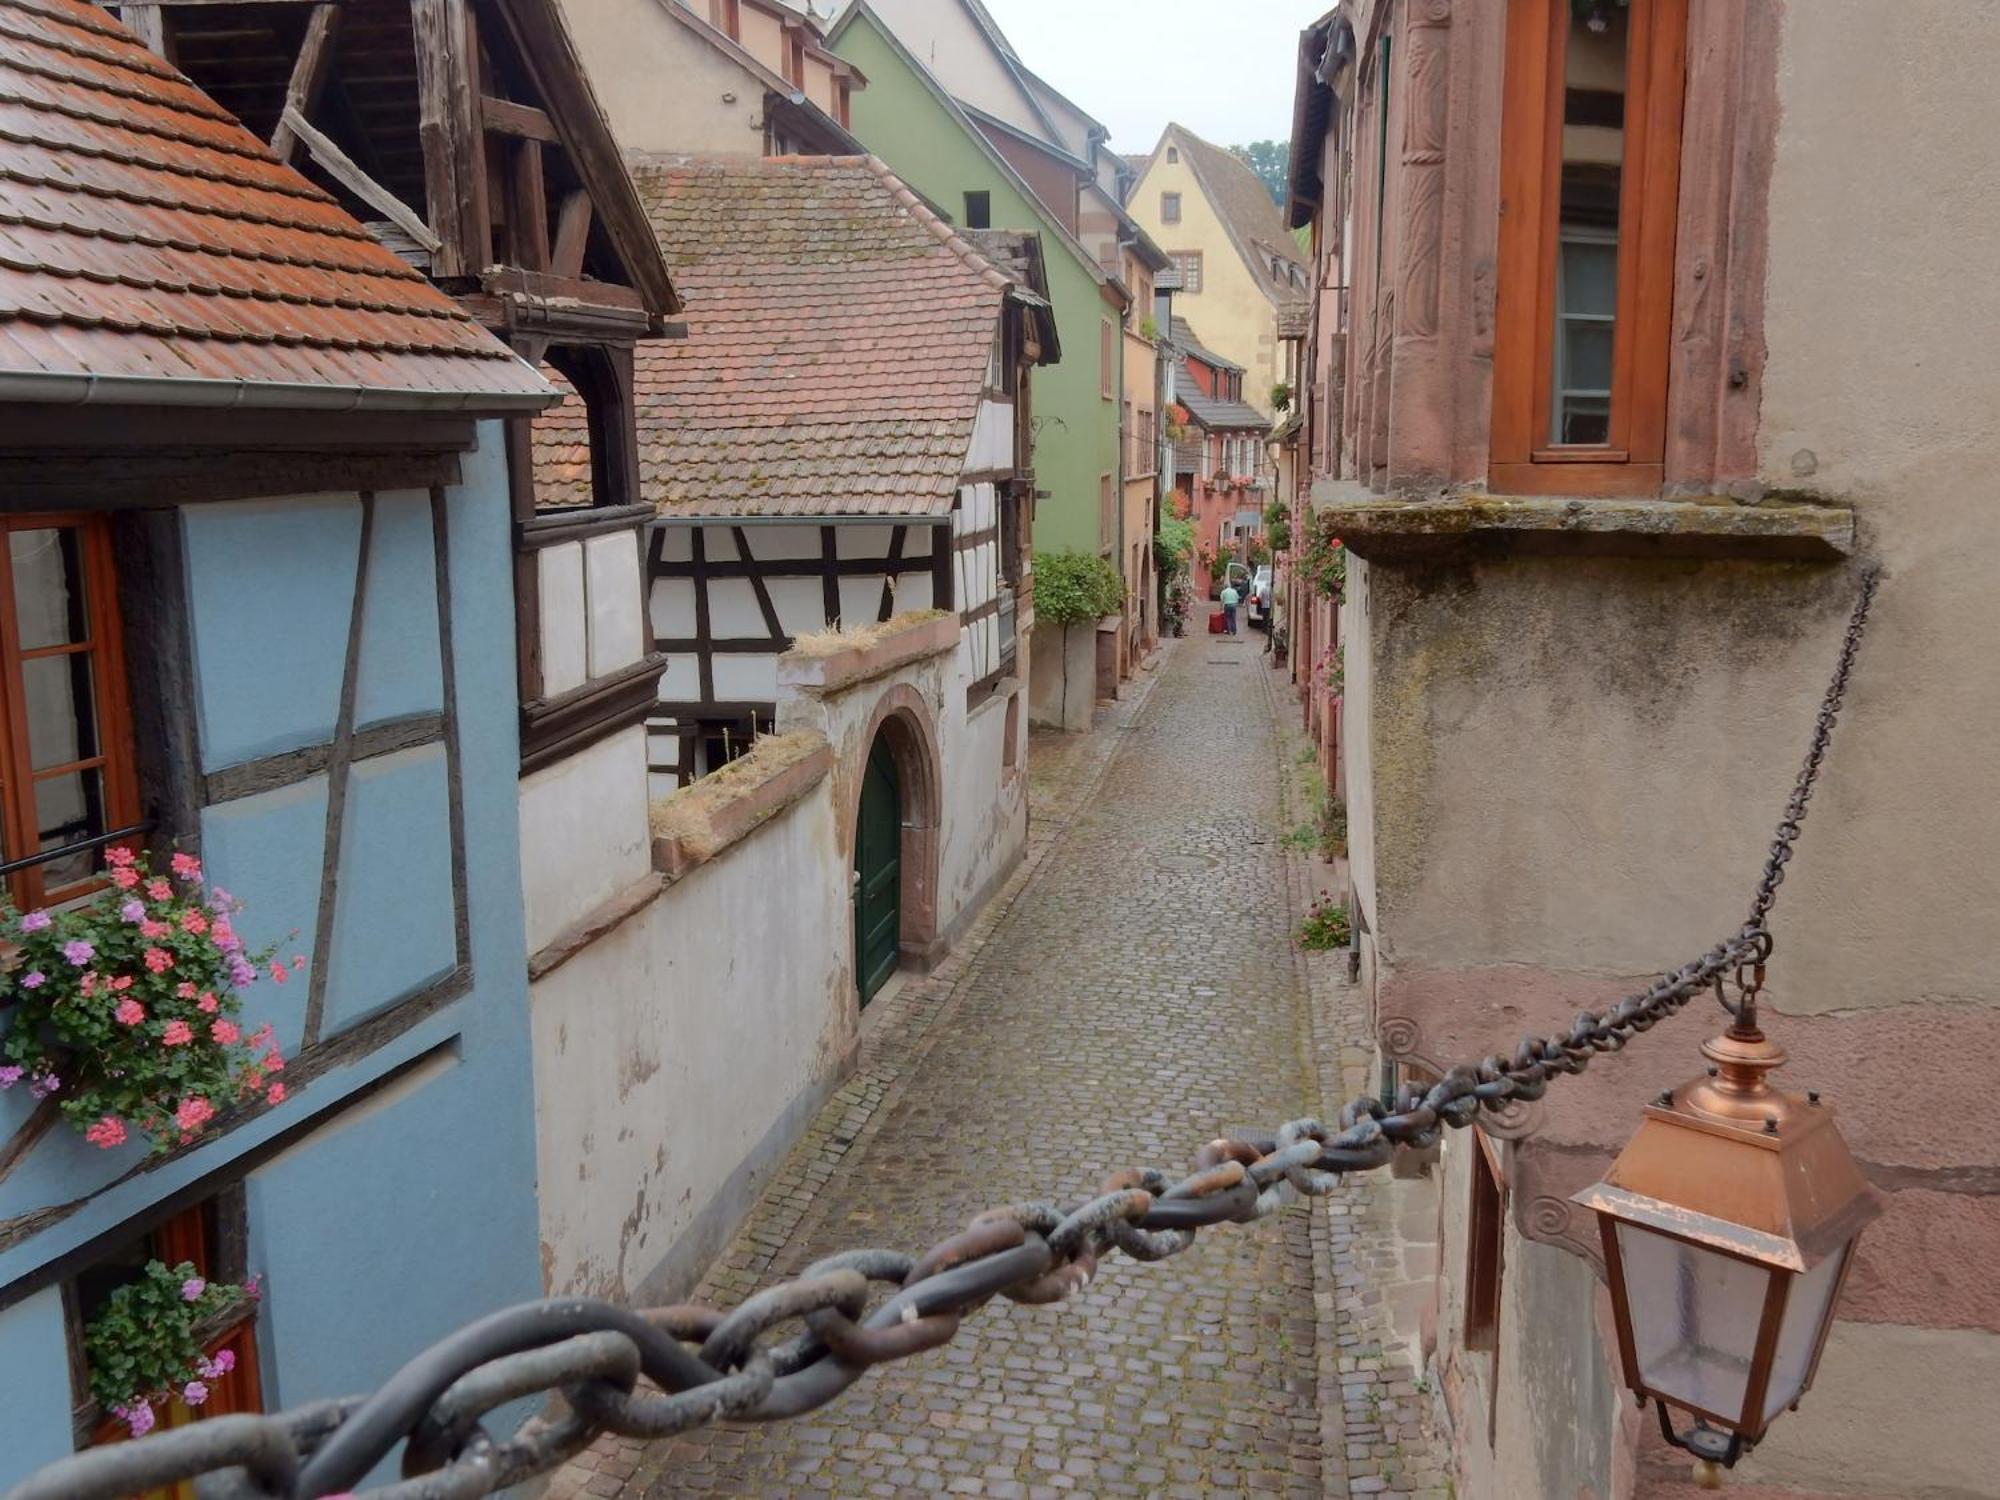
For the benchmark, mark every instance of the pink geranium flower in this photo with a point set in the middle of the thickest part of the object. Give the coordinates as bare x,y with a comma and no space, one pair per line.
160,888
261,1037
273,1062
36,921
124,877
78,952
138,1417
185,989
152,929
193,921
117,856
224,1032
177,1034
279,973
107,1133
194,1393
159,960
208,1003
186,866
192,1288
10,1075
193,1113
34,979
129,1013
275,1094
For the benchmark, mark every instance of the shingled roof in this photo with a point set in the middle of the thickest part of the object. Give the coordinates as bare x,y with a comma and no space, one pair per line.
153,250
839,336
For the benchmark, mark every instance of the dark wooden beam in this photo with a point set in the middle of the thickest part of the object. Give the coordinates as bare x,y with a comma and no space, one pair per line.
342,170
531,208
315,60
454,157
504,117
572,234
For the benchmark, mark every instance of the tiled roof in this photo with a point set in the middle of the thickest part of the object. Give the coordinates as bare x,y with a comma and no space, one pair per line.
1248,212
146,236
1186,340
838,341
1216,415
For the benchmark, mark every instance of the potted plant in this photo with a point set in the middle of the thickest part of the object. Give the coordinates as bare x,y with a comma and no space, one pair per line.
125,1008
144,1346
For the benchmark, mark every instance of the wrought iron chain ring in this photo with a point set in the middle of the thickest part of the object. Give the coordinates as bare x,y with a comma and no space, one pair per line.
704,1365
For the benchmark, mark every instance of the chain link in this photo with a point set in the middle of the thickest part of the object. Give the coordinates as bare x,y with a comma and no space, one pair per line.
702,1364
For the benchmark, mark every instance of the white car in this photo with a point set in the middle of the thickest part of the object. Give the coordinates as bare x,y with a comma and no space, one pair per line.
1258,602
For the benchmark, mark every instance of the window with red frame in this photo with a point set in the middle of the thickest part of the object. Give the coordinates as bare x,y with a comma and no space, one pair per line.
67,783
211,1237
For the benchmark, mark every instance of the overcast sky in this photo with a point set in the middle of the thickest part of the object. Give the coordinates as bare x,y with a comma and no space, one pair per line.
1223,68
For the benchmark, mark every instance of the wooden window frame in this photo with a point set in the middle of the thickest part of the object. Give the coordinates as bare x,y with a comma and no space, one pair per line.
105,642
212,1236
1632,461
1184,260
983,198
726,16
1170,208
1485,1245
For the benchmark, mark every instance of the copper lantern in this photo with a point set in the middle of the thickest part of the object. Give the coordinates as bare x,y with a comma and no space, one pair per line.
1729,1226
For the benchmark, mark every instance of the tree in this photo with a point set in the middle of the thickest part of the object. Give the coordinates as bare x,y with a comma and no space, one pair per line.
1271,161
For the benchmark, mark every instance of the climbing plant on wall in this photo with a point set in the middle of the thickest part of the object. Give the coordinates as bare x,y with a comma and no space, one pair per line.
1322,560
1071,587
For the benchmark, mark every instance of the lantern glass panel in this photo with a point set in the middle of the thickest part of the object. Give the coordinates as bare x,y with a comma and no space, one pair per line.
1695,1315
1806,1309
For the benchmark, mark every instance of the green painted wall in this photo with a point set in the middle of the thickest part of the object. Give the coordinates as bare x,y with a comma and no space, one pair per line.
1076,440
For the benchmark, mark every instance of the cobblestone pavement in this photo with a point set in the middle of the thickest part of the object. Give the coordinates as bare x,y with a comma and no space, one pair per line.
1131,994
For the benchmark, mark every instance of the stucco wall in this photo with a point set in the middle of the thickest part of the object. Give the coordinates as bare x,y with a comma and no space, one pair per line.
677,1056
627,47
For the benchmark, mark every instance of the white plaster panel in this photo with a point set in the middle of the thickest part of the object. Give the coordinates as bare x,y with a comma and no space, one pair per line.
565,660
746,678
617,633
682,679
668,1050
583,823
800,602
732,610
914,591
860,600
718,544
679,542
857,539
673,608
992,437
768,542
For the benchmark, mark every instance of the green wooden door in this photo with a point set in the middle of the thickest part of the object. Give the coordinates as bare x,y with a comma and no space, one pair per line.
878,873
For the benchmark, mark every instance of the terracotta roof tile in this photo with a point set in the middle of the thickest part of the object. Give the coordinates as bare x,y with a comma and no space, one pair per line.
839,335
144,233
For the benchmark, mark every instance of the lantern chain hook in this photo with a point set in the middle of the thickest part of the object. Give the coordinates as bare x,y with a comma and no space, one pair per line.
703,1364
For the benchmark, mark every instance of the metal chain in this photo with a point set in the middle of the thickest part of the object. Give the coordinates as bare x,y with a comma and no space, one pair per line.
703,1364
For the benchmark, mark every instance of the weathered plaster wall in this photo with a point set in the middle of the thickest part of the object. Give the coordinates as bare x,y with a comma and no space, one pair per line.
585,819
677,1056
1063,675
627,46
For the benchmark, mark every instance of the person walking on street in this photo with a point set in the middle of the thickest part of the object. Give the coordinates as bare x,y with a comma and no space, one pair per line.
1230,599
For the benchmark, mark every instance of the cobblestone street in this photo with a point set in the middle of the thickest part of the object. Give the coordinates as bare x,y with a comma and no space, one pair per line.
1131,994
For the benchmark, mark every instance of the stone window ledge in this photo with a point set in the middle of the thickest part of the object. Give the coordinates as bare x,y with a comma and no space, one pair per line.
694,825
833,661
1385,529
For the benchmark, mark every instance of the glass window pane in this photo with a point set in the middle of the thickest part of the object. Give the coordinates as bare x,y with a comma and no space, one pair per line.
1593,152
1805,1308
62,713
67,808
49,604
1694,1319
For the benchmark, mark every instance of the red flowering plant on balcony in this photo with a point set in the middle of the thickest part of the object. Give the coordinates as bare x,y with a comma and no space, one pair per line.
126,1007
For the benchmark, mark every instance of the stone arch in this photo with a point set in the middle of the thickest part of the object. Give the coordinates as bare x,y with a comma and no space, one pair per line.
903,721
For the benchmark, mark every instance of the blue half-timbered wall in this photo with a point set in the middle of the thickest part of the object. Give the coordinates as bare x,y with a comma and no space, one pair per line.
351,661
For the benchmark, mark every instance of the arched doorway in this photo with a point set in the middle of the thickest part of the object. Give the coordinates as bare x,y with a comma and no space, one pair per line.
878,872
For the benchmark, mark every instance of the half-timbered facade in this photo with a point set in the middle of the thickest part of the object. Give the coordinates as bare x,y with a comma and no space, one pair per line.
842,437
254,608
